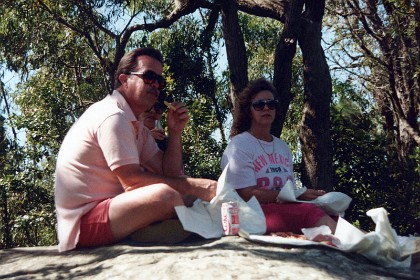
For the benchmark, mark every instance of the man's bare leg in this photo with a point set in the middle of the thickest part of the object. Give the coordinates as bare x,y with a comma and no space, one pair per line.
138,208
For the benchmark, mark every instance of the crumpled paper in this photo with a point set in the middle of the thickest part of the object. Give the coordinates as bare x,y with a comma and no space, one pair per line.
205,218
383,246
333,203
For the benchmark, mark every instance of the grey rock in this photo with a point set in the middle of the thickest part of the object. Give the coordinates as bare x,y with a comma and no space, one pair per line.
226,258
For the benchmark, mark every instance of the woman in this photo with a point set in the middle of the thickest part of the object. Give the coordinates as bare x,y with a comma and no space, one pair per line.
152,120
260,164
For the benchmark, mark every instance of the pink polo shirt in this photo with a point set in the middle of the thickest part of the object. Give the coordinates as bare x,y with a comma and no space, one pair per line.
105,137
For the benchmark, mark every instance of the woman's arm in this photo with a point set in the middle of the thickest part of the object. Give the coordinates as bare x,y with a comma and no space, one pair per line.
270,196
263,196
311,194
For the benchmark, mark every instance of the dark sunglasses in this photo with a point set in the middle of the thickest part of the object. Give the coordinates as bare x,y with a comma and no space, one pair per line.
260,104
158,107
149,77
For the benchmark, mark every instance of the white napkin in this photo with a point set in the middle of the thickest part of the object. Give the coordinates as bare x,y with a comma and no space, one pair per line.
382,246
333,203
204,218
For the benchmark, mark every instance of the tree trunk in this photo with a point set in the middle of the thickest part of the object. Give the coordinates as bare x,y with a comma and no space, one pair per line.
315,135
7,237
5,226
392,62
235,48
207,35
283,62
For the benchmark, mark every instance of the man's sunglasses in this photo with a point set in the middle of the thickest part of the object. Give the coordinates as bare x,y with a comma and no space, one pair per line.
260,104
149,77
158,107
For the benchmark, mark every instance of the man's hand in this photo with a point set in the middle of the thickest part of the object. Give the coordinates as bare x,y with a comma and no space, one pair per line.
311,194
178,118
204,189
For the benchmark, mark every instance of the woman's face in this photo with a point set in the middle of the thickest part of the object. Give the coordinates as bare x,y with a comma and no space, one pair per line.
149,118
263,109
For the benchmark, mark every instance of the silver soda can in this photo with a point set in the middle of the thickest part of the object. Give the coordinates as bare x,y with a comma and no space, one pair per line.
230,218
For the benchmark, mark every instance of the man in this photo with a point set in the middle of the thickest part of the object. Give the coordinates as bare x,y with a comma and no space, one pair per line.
102,192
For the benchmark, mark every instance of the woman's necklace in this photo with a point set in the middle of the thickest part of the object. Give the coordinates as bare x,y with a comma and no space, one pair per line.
262,147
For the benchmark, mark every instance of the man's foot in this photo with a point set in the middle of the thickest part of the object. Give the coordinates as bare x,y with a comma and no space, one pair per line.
167,232
415,261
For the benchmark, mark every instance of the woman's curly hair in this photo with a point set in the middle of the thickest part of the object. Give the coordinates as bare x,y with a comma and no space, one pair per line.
242,116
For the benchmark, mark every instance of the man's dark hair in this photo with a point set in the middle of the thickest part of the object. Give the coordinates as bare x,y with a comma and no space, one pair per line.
129,62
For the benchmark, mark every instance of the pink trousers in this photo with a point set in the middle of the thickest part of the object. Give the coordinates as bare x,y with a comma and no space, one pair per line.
291,216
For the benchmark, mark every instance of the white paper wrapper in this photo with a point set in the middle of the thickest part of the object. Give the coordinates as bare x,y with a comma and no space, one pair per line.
383,246
333,203
204,218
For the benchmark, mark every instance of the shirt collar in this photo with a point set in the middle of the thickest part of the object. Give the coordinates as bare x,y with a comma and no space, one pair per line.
122,104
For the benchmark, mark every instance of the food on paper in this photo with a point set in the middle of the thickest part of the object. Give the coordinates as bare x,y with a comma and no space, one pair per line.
328,242
289,235
324,239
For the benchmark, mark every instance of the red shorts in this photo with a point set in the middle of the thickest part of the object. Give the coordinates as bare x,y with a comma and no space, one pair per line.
291,216
95,229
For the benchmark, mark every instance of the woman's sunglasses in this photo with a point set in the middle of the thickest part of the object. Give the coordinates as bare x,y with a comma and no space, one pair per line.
158,107
149,77
260,104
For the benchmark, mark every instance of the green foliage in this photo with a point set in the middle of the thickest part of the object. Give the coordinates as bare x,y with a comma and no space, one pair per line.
379,51
65,68
191,81
202,153
261,36
59,78
367,169
27,203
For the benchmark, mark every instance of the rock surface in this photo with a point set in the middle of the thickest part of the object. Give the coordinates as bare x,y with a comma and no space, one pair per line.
225,258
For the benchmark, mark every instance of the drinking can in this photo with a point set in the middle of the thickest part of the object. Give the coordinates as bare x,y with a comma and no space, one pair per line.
230,218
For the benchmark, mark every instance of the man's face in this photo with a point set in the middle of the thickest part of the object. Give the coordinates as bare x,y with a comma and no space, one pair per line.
140,95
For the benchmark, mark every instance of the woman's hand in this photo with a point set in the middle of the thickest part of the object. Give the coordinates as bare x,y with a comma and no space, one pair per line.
158,134
311,194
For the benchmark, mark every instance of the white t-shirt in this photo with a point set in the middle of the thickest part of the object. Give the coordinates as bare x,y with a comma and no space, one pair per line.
105,137
254,162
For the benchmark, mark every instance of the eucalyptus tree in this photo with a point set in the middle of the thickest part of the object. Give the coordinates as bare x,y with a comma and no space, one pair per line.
377,44
66,54
106,28
191,67
5,235
58,79
377,48
365,165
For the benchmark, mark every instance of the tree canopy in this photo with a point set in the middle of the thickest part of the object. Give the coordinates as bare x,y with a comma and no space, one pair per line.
349,107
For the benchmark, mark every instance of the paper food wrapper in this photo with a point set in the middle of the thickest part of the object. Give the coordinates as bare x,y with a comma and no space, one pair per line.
383,246
205,218
333,203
